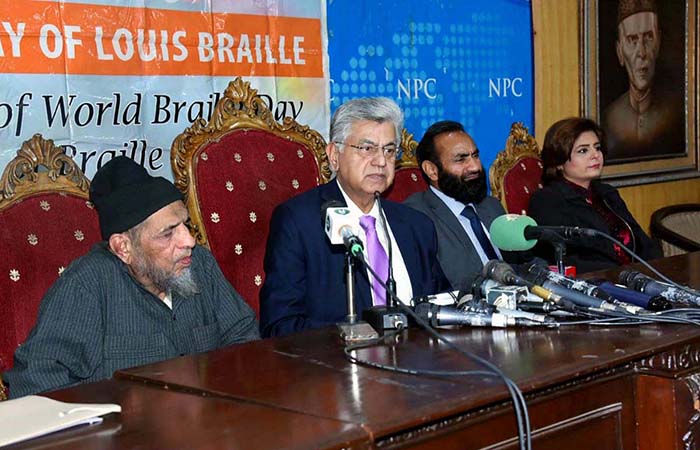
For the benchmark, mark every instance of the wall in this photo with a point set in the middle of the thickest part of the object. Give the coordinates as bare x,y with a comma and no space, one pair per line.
557,95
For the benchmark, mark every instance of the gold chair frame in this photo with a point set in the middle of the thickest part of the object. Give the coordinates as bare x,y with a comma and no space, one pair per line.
409,158
3,390
22,177
520,144
240,108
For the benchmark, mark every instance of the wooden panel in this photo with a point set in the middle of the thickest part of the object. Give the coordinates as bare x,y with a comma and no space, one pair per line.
596,416
655,413
556,48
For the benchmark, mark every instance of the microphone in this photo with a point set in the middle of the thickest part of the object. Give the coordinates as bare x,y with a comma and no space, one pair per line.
340,227
642,283
514,232
437,316
497,294
390,281
569,283
504,274
652,303
508,297
580,298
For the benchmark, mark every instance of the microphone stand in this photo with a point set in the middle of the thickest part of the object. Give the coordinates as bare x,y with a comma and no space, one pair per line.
353,330
390,281
350,286
559,244
391,316
559,252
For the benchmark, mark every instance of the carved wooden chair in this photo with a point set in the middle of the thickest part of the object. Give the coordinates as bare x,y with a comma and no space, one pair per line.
408,178
46,221
517,171
234,170
677,227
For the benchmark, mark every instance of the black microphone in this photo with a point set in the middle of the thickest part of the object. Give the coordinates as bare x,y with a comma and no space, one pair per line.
579,298
390,281
652,303
642,283
503,273
576,285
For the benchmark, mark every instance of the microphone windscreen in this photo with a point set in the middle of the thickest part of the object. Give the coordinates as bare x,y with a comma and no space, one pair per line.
508,232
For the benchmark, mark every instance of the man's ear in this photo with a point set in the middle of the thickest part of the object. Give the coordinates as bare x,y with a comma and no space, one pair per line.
120,244
430,169
332,153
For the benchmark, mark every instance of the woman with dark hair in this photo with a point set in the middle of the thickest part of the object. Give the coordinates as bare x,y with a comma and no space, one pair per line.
573,155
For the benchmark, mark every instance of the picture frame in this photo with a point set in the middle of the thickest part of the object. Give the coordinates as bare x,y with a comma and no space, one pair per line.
647,105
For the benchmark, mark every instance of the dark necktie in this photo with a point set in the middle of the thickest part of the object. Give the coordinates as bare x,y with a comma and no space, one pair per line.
478,230
378,259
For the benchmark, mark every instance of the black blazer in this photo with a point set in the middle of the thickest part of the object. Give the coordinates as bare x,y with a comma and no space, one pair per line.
304,274
559,204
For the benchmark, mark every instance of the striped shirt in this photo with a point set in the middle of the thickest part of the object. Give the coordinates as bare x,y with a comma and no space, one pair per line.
97,319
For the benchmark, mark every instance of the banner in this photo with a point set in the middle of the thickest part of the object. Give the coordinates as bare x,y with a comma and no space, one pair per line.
103,78
469,61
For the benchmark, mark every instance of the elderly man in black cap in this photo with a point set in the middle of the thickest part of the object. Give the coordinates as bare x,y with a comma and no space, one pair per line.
144,294
646,120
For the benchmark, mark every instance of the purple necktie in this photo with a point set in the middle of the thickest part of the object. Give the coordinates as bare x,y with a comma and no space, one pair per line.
378,260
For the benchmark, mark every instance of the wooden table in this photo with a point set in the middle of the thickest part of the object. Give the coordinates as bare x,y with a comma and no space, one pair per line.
156,418
586,387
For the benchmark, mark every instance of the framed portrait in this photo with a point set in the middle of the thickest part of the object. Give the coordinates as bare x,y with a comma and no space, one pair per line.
638,75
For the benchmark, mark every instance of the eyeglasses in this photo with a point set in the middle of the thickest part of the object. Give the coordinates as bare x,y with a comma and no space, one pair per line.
368,150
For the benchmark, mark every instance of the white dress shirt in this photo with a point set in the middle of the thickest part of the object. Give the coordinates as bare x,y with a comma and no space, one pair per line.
404,290
456,207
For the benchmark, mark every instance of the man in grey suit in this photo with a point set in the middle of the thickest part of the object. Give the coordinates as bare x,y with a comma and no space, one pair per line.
456,201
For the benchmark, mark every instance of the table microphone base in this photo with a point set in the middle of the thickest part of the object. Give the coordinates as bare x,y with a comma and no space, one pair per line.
385,318
357,331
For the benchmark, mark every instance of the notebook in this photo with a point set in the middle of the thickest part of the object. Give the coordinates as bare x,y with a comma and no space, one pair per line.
33,416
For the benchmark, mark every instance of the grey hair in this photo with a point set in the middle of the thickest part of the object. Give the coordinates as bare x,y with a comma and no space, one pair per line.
134,233
373,109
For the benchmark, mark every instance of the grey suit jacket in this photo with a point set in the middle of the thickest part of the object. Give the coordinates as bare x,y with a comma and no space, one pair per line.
459,260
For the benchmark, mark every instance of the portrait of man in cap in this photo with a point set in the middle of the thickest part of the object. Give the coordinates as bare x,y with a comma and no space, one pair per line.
642,113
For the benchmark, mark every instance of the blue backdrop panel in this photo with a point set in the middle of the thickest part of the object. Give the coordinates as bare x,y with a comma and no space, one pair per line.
469,61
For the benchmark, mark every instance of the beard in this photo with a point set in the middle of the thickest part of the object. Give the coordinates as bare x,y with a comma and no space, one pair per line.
460,189
183,284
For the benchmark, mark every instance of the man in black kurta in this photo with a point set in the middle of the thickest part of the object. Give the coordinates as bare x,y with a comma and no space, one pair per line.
145,294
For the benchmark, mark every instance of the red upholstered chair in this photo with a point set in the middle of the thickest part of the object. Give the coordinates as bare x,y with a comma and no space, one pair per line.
408,178
517,171
234,170
46,221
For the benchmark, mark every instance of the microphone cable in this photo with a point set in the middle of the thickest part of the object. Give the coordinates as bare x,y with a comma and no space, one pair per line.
644,263
519,404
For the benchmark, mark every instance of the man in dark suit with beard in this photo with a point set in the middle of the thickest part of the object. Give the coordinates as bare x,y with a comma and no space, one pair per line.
456,201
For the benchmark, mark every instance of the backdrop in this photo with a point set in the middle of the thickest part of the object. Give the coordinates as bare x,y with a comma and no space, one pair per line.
469,61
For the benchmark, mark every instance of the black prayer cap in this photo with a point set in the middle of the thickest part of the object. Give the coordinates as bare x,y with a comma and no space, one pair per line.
125,195
626,8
